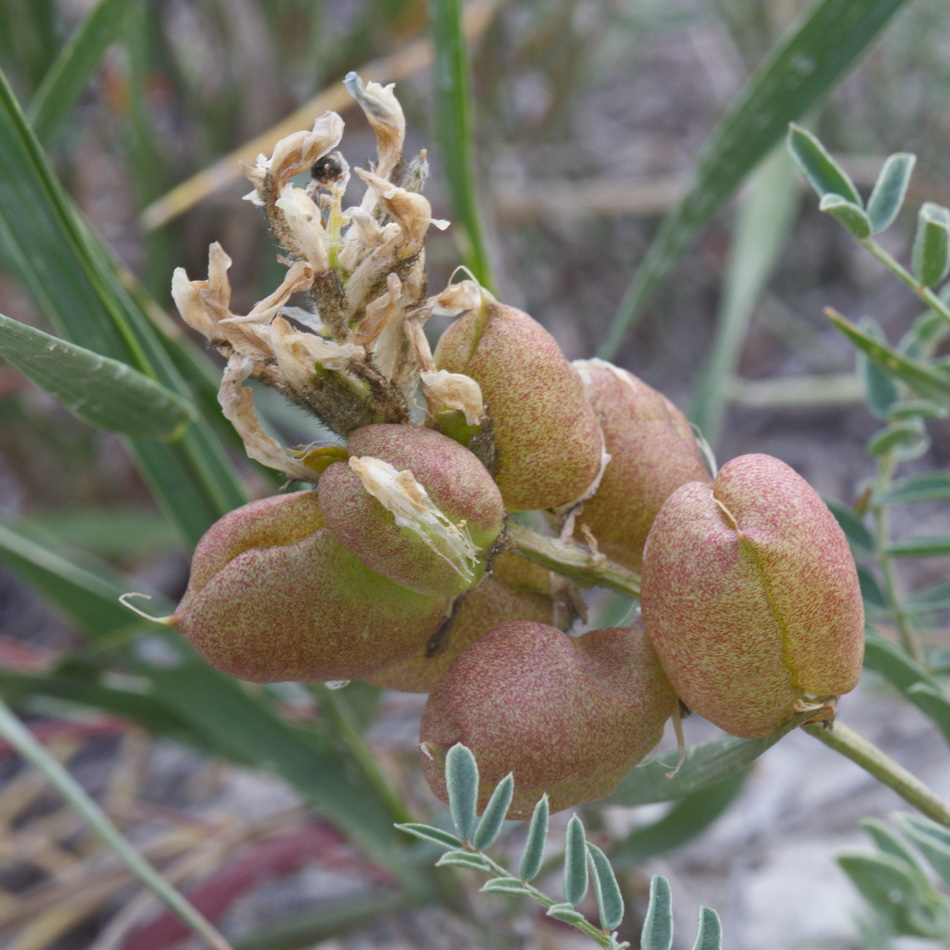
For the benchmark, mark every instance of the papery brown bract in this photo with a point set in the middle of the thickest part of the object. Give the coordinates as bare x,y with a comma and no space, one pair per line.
442,559
517,590
549,447
274,596
750,596
652,452
569,716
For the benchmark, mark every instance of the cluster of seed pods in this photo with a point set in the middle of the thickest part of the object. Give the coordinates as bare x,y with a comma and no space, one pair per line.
397,567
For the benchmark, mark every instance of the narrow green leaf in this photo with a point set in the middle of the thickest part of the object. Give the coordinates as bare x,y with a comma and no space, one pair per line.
22,740
533,852
453,125
709,935
494,815
916,409
606,889
890,189
75,66
871,590
888,884
463,859
926,546
705,765
821,171
931,486
928,599
75,283
461,780
880,387
853,526
762,225
101,391
566,914
847,214
575,862
891,662
687,818
933,703
919,375
904,435
890,842
933,841
436,835
658,925
505,885
930,259
808,61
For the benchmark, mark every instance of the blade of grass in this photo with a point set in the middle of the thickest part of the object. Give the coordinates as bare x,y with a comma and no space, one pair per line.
761,229
103,392
75,285
75,65
453,126
805,64
20,738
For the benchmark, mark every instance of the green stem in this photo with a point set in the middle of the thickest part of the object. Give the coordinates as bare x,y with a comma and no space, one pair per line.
573,561
899,271
337,709
848,743
23,741
892,592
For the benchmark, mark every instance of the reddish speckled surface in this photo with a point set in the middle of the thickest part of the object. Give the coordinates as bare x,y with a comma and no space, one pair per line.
569,717
748,621
547,437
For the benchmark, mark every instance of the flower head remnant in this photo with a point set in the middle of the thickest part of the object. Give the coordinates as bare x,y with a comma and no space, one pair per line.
355,358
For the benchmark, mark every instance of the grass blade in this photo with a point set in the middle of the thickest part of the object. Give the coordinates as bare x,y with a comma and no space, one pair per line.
103,392
75,66
75,284
20,738
762,226
801,68
453,126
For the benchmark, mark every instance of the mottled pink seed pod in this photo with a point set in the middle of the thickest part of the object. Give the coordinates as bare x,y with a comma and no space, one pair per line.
652,452
517,590
273,596
430,530
750,596
569,716
547,437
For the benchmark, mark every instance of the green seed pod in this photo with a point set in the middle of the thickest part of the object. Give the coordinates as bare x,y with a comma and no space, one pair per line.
750,596
549,447
517,590
569,716
273,596
652,452
414,506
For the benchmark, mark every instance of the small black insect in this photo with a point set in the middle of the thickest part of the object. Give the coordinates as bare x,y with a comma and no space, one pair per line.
328,168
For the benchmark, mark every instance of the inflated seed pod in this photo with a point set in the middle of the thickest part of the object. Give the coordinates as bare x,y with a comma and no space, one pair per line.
750,597
569,716
415,506
548,443
274,596
516,590
652,452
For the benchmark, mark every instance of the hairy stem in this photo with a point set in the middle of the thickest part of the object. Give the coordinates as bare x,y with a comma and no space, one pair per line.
899,271
573,561
848,743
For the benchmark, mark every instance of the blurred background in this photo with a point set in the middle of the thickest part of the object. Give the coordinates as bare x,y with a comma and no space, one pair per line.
589,116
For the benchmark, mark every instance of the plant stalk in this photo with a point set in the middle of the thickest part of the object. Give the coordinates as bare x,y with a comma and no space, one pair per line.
898,270
573,561
850,744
